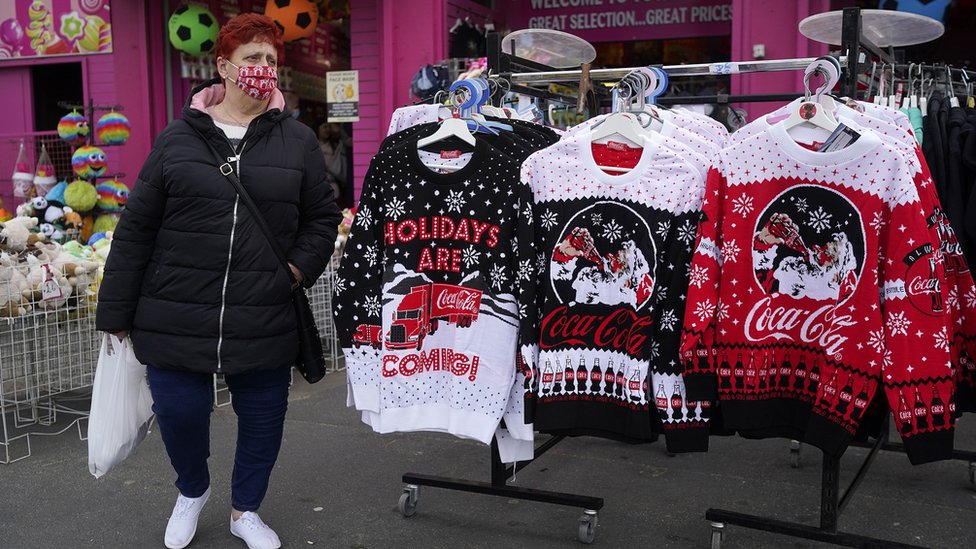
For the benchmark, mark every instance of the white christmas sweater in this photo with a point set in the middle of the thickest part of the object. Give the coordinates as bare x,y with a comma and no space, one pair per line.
600,336
814,287
425,296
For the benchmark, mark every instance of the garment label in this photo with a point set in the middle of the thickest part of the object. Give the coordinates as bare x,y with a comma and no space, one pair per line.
617,146
446,155
50,288
841,137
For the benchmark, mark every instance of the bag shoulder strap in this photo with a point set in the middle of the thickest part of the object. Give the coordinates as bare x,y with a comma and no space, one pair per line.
227,169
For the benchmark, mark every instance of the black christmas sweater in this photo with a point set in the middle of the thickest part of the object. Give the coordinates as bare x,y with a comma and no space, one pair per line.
425,299
601,335
815,287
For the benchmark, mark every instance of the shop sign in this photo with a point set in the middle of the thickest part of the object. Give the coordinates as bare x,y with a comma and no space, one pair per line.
35,28
343,100
627,20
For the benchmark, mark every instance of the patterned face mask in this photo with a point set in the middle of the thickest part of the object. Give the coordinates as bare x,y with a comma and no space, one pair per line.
257,82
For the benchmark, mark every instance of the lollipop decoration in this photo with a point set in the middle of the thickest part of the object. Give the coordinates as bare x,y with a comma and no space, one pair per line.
73,128
89,162
12,34
113,129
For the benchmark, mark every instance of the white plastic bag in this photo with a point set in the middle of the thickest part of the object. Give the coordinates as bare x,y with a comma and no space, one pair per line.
121,406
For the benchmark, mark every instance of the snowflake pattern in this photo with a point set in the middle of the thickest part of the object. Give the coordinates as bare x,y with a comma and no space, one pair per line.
819,220
338,285
612,230
525,270
655,349
540,263
372,305
730,251
698,276
877,222
364,218
470,257
742,205
942,340
549,219
668,320
886,360
801,204
455,201
952,300
370,255
971,298
722,311
498,277
663,228
876,339
704,310
597,219
686,233
396,208
898,324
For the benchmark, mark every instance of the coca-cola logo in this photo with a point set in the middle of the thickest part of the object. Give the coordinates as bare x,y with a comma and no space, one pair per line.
621,330
462,301
925,272
808,243
823,327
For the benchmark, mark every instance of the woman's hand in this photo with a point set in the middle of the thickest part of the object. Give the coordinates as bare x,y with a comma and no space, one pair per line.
299,277
121,335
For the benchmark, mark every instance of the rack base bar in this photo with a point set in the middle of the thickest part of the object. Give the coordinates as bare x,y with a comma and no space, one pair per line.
514,492
804,531
960,455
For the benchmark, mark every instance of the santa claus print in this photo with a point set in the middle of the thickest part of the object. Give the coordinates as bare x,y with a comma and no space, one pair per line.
809,243
599,260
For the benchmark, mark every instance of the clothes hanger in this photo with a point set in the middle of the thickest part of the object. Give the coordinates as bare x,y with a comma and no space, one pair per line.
892,91
455,127
951,90
816,109
623,122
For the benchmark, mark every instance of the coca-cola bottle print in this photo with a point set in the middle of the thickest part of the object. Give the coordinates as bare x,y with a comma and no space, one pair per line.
609,379
936,288
527,384
706,409
904,415
814,377
557,386
647,389
739,373
860,403
764,373
635,386
800,374
829,390
581,376
938,409
661,401
703,364
676,401
785,369
846,396
691,405
725,373
621,381
596,376
751,373
547,378
570,376
921,412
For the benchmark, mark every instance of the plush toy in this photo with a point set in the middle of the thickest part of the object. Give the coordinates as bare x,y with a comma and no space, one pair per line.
38,205
79,272
102,248
106,222
87,226
80,196
73,128
41,274
78,250
51,232
72,225
88,162
112,195
113,129
56,194
15,234
13,285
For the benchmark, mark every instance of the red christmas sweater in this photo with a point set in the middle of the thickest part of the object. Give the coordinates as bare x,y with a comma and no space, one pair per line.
814,280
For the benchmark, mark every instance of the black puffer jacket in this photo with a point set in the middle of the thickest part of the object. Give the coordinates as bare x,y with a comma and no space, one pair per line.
190,274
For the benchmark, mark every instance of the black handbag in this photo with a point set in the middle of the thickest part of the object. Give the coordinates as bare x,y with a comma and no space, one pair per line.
310,360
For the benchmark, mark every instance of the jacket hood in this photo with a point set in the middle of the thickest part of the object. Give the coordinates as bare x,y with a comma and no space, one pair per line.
211,93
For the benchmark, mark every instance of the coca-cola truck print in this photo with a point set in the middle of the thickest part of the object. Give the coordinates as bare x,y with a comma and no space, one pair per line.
368,334
425,306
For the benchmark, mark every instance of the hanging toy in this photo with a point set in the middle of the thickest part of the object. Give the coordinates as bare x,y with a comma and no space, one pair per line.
44,178
113,129
22,178
112,195
193,29
106,222
80,195
73,128
89,162
296,18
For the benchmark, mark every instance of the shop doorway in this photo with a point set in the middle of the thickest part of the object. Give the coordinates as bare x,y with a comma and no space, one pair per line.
51,84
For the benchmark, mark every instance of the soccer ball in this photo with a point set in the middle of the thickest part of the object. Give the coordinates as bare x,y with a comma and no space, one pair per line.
296,18
193,29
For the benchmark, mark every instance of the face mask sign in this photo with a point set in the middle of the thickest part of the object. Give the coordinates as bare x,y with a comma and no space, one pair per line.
257,81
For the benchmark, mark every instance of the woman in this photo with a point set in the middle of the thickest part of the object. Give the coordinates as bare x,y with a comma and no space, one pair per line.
195,284
334,143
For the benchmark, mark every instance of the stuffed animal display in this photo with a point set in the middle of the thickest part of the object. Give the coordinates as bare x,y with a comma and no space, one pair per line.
89,162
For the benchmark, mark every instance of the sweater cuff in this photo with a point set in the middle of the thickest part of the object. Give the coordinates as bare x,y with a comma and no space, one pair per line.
701,386
929,447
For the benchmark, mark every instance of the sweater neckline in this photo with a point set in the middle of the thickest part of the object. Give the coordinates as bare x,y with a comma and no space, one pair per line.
868,141
650,144
481,149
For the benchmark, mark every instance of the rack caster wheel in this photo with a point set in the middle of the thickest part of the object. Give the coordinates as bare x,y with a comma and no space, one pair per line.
587,527
408,500
795,454
718,532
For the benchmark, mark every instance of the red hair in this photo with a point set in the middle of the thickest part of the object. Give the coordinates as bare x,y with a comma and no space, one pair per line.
246,28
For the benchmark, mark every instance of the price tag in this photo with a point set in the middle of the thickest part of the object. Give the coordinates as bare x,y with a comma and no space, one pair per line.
49,288
723,68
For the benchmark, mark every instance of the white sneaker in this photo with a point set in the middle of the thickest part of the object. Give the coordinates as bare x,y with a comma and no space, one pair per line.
255,533
182,525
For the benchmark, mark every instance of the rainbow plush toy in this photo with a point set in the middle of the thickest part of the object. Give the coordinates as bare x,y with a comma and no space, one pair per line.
112,195
112,129
89,162
73,128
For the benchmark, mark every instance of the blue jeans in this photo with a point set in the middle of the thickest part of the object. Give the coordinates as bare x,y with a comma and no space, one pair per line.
182,402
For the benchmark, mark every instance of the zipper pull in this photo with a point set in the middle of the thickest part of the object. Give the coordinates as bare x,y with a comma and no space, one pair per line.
226,168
